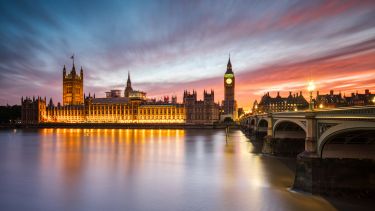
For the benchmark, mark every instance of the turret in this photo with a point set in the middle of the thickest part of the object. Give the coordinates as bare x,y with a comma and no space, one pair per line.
51,103
73,72
64,71
208,97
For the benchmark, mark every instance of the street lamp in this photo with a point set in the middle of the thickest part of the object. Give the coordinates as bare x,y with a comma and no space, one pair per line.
311,88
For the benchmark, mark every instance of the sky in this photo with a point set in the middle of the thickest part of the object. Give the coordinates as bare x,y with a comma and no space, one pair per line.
170,46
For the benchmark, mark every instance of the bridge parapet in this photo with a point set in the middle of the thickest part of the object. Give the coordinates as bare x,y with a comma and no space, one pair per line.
318,124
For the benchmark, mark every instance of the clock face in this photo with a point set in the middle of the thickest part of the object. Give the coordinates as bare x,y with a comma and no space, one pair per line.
228,81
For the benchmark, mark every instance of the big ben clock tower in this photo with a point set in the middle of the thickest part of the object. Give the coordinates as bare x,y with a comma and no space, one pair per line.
229,103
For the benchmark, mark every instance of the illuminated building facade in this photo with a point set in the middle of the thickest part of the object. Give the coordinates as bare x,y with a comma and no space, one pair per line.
270,104
116,110
133,107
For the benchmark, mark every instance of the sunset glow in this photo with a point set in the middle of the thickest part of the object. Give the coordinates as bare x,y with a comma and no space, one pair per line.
170,47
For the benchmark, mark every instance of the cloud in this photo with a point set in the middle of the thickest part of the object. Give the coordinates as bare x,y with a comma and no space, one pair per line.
170,46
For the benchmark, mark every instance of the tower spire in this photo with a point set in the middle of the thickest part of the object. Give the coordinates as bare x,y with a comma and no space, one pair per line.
128,82
73,68
229,66
229,63
128,87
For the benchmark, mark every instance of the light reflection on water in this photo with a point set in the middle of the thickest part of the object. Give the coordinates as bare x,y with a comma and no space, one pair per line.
139,169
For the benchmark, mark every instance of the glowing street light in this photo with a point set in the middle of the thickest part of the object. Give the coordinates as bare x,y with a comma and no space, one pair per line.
311,88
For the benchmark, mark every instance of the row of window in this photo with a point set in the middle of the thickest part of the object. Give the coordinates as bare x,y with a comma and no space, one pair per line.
102,110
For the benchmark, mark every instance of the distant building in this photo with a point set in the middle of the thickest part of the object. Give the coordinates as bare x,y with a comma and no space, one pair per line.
229,103
113,93
204,111
270,104
356,99
297,102
330,100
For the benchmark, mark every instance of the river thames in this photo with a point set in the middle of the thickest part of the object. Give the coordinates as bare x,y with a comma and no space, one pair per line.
144,169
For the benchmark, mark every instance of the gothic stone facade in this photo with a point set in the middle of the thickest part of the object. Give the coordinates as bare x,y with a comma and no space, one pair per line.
133,107
204,111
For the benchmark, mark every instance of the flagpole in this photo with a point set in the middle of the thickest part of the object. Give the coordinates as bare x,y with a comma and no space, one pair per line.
72,57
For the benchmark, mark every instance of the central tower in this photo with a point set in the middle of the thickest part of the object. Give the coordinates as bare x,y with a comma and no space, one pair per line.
72,87
229,104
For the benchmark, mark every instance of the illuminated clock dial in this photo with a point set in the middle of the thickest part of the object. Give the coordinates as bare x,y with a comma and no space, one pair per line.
228,81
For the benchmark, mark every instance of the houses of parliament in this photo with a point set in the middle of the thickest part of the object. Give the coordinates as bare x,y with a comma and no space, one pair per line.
128,106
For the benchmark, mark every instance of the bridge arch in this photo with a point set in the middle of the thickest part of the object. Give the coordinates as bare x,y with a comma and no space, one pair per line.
246,121
263,123
289,128
252,122
344,139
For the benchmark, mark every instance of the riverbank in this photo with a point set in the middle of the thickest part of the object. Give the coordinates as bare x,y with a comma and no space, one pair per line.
119,126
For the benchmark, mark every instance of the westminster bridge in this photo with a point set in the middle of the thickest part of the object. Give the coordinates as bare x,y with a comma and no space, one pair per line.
335,148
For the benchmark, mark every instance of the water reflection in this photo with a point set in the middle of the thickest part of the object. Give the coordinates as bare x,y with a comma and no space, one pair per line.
126,169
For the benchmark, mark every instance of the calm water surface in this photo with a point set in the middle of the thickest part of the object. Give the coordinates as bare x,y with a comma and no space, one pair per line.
121,169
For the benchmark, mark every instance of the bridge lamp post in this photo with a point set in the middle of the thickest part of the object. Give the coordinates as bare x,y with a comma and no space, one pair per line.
311,88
